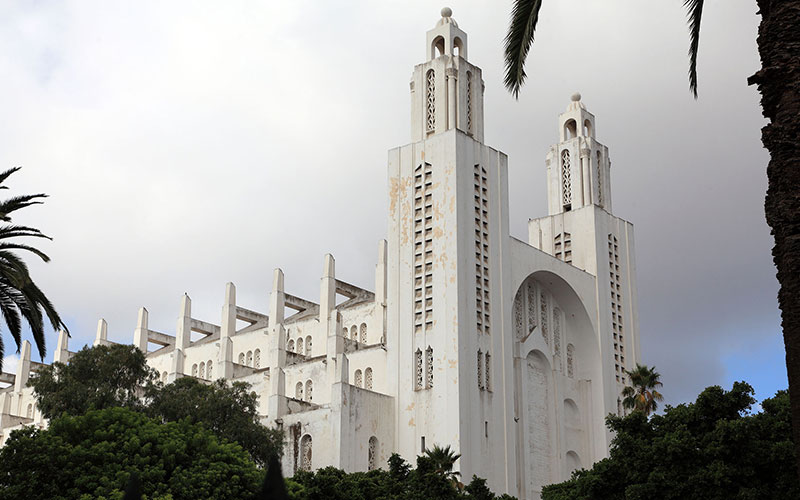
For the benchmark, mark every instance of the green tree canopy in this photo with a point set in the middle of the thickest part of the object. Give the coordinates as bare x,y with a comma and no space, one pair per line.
95,378
230,411
94,455
713,449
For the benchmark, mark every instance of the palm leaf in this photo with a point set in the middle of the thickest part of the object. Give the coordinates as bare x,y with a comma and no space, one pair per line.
524,16
4,175
17,202
694,10
20,246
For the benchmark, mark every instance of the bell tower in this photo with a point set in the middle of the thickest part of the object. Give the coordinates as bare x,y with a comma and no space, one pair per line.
448,219
578,169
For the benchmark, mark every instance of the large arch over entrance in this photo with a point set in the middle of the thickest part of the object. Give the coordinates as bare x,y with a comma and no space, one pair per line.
558,374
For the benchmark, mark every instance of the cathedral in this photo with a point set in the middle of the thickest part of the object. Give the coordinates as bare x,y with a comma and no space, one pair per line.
512,352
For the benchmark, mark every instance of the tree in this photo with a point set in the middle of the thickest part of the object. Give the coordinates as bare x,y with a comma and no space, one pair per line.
443,460
714,449
94,455
778,81
642,395
20,297
95,378
230,411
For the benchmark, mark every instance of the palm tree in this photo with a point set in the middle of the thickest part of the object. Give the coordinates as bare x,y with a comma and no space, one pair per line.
642,395
443,460
20,298
778,82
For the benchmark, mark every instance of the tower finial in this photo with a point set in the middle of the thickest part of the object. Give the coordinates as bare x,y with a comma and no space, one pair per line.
447,12
576,97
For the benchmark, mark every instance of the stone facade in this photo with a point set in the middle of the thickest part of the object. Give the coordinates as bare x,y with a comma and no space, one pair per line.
511,352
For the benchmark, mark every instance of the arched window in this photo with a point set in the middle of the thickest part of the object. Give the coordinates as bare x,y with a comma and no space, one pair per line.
249,358
469,102
164,377
487,380
300,346
29,414
570,360
194,370
359,379
372,454
354,333
429,367
257,358
480,370
308,346
566,180
298,391
457,47
570,130
202,373
418,380
305,452
209,370
241,356
309,390
587,128
368,378
545,330
437,47
291,349
363,333
430,101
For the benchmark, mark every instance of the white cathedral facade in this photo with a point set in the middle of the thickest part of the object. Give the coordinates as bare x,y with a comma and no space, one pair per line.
512,352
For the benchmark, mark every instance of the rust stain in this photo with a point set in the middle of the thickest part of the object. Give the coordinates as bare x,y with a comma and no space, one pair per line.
411,422
437,232
410,407
453,363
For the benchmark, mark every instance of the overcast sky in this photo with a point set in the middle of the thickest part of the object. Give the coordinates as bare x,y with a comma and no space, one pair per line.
187,144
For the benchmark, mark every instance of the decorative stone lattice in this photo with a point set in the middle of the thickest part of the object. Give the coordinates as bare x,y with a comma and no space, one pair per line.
298,391
570,361
469,102
545,335
531,307
429,367
257,354
599,179
368,378
309,391
482,302
557,331
305,453
363,333
372,454
488,370
418,379
209,370
359,382
519,318
566,178
480,370
430,93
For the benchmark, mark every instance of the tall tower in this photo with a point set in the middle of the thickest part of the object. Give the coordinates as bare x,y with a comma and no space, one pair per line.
582,230
447,216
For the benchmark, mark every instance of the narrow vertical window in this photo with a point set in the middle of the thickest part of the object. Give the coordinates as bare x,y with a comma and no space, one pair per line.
557,331
570,361
469,102
308,346
368,378
29,414
298,391
257,358
363,333
202,373
194,370
372,453
309,391
209,371
566,180
299,350
480,370
305,452
545,333
418,380
359,379
430,101
487,380
429,367
354,333
599,179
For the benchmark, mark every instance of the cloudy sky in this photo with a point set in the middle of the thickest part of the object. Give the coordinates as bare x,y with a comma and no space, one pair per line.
187,144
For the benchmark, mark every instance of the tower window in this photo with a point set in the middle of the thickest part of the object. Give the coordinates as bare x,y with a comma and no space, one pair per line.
430,100
566,180
429,367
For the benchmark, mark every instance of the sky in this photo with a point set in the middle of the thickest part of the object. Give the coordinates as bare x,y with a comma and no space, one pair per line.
188,144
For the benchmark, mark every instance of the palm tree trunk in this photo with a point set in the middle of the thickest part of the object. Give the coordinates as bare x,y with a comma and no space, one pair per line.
779,84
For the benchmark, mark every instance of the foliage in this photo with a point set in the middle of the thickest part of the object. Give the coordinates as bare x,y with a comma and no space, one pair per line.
642,395
95,378
443,460
94,455
230,411
20,297
118,376
712,449
400,482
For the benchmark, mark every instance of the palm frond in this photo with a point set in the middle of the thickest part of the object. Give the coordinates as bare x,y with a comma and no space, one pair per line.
28,248
13,231
524,16
17,202
7,173
694,10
